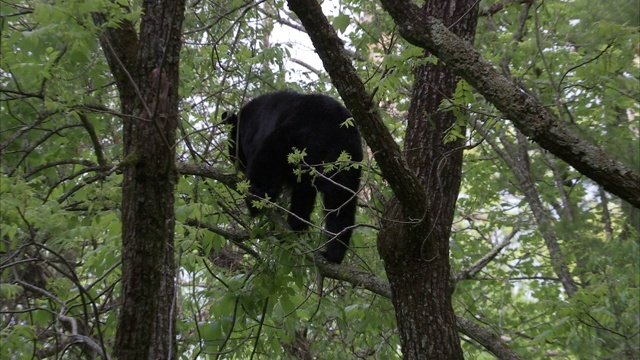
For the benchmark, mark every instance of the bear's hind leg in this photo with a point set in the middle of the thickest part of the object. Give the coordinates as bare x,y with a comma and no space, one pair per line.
303,198
340,208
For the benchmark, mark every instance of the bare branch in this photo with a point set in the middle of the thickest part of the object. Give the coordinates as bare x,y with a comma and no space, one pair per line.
519,167
51,164
472,270
103,172
501,5
41,117
488,339
38,142
94,138
353,276
204,170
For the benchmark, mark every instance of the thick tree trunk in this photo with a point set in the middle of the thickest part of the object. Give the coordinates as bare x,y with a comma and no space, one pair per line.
417,255
417,266
146,72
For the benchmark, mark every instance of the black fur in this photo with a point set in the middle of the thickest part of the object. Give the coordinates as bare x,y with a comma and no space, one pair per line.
267,129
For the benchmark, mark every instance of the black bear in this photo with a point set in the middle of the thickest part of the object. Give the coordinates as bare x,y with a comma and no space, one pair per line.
268,128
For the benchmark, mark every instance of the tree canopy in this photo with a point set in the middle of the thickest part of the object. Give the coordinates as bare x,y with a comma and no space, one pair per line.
542,255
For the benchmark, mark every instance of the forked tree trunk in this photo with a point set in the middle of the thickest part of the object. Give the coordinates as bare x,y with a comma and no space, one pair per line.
146,72
416,251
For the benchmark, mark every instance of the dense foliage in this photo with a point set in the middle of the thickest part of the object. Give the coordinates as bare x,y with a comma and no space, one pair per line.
542,256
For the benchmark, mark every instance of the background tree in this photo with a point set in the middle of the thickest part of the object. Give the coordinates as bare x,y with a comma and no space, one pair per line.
544,238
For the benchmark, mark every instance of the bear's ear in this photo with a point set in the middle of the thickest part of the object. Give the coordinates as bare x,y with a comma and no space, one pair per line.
229,118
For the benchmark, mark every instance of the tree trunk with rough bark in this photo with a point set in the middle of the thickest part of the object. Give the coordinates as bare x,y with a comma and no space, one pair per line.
416,251
146,70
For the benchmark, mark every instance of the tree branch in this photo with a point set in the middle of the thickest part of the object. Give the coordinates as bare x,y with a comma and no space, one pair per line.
472,270
229,180
485,337
94,138
519,168
499,6
329,47
122,54
235,237
488,339
527,113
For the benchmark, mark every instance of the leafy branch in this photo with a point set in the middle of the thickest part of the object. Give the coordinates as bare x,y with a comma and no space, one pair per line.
528,114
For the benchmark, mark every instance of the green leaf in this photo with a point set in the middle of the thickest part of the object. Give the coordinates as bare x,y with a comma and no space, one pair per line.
341,22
